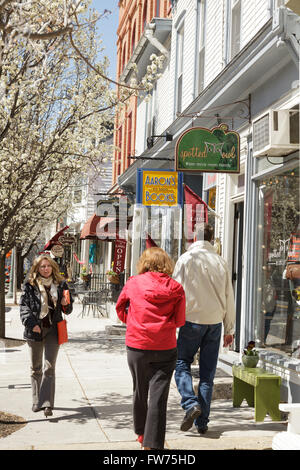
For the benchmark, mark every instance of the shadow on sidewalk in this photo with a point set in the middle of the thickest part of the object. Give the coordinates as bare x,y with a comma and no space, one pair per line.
112,409
225,420
96,341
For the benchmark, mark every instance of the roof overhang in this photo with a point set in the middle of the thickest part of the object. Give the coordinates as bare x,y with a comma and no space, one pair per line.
151,42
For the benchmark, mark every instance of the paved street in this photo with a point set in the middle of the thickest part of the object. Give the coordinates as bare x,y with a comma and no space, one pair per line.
93,399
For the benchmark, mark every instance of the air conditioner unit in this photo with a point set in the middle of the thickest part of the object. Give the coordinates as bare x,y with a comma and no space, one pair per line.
276,133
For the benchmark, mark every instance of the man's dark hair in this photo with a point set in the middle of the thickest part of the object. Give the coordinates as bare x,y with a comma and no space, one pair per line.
205,232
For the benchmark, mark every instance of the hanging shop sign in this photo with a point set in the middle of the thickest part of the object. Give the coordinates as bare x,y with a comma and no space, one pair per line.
67,240
57,251
119,256
214,150
159,187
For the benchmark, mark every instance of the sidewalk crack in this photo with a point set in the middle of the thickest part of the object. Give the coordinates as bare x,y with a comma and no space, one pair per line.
85,396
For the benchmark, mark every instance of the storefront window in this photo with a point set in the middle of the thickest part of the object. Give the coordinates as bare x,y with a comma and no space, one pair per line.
163,226
211,201
278,307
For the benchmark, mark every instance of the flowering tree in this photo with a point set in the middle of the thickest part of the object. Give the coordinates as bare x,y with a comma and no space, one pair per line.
56,111
52,108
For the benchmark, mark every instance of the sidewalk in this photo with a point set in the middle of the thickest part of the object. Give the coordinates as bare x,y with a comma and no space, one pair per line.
94,399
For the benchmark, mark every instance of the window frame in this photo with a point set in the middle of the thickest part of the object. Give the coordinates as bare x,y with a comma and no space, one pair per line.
201,42
179,66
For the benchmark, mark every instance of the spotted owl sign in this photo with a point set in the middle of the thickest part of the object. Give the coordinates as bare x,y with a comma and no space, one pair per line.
214,150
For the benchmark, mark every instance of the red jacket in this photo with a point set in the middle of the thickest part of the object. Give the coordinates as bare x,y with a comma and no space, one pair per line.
156,307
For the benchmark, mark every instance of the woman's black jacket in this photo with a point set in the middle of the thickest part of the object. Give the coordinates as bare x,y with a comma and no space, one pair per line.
30,308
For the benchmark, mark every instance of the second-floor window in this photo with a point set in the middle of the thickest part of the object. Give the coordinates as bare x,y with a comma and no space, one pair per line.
150,114
145,14
133,38
179,78
119,153
201,43
124,57
157,8
129,138
77,196
235,45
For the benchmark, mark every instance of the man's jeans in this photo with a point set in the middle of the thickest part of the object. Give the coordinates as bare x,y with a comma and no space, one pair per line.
192,337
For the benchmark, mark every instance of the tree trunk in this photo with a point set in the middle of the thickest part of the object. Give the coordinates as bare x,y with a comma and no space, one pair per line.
20,268
2,296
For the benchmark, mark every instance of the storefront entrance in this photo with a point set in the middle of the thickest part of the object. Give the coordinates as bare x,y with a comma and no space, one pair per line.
237,267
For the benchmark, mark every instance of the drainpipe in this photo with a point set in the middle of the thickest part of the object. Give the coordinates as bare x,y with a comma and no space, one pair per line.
149,33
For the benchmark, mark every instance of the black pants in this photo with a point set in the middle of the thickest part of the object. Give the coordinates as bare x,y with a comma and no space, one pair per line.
151,373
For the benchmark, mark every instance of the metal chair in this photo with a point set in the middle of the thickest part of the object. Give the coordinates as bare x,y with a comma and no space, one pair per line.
97,301
104,295
89,301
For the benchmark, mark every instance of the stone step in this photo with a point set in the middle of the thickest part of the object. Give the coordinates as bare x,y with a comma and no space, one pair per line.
222,384
115,330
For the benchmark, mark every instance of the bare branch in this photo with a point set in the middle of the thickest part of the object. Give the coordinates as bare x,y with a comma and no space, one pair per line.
98,72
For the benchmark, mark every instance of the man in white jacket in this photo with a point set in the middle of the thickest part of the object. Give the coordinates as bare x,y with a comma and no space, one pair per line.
206,280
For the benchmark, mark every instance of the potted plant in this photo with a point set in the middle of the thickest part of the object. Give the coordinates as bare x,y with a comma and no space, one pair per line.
250,357
84,274
112,276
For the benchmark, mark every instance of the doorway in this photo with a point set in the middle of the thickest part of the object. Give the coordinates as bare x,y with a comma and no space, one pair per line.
237,268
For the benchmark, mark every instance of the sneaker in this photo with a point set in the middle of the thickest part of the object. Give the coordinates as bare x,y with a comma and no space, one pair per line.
190,417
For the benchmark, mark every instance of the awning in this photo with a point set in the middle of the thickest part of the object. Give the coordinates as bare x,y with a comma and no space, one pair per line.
54,239
89,229
103,228
107,227
100,228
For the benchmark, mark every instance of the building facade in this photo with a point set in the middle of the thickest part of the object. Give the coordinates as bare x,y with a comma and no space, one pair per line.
133,34
232,62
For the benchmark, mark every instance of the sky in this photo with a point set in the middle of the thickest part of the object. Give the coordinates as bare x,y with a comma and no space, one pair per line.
108,29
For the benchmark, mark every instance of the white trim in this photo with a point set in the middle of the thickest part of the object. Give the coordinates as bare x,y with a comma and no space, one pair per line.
286,164
238,197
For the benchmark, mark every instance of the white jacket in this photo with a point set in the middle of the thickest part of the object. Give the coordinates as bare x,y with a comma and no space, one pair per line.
206,280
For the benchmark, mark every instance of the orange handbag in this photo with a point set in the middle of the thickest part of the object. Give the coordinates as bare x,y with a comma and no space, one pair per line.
62,332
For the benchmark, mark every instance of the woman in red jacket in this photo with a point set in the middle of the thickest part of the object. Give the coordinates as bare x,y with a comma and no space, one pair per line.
152,305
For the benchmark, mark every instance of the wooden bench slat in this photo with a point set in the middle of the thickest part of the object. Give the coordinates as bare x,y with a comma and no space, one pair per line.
260,388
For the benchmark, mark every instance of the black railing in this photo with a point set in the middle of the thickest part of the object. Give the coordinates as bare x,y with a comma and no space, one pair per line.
97,283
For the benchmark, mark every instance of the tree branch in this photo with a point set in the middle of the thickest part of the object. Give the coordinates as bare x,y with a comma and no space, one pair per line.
37,36
97,71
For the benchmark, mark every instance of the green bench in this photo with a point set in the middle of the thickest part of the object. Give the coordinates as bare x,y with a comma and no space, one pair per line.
260,388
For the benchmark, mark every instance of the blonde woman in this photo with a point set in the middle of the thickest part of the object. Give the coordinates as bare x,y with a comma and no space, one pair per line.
152,305
41,306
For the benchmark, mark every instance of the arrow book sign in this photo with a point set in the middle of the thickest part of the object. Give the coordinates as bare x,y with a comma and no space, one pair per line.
214,150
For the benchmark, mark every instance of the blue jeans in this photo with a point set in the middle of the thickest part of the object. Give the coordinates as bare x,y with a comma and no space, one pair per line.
192,337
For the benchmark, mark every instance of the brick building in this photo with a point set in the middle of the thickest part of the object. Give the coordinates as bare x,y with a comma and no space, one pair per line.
134,16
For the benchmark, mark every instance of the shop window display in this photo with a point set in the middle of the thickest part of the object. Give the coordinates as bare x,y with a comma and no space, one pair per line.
278,299
162,224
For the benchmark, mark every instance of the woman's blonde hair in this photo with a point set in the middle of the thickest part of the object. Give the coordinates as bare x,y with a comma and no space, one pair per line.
34,270
155,259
